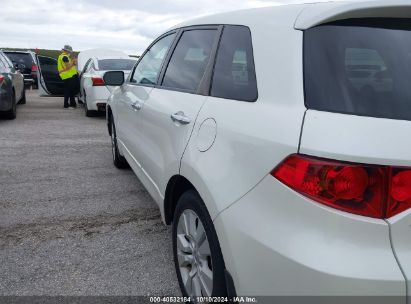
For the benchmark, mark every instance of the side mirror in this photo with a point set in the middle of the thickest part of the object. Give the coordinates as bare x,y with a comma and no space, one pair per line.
114,78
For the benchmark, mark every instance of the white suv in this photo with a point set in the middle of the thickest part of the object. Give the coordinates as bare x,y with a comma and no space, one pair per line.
280,175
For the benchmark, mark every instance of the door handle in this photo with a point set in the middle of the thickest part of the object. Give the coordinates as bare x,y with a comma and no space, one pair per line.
136,106
181,118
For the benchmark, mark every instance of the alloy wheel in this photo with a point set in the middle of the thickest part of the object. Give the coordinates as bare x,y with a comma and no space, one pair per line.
194,255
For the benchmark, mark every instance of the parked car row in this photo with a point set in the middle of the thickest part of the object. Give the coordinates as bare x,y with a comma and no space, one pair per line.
25,61
12,89
92,64
93,91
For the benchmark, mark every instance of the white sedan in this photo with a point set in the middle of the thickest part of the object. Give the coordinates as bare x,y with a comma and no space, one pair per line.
93,91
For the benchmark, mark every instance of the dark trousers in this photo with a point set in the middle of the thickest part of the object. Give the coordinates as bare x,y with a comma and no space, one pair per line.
70,91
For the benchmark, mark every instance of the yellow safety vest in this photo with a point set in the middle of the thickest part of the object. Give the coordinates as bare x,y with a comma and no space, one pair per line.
61,66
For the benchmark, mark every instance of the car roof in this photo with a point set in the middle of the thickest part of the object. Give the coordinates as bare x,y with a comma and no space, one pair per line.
22,52
307,15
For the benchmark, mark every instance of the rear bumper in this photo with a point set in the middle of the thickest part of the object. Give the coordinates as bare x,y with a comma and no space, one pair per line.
97,105
97,98
276,242
30,79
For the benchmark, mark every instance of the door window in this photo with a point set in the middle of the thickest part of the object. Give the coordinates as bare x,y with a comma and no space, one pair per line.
48,65
148,69
189,60
234,72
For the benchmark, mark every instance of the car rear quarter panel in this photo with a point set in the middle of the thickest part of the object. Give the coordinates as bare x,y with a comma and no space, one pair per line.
278,242
252,137
356,138
365,140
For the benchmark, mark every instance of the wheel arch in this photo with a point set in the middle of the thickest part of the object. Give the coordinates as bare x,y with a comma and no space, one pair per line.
176,186
109,117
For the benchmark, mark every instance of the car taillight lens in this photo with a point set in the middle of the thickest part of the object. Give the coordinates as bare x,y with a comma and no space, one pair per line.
34,68
97,81
368,190
1,79
400,191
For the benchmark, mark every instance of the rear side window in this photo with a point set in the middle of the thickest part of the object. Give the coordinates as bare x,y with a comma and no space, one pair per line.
234,72
360,67
189,60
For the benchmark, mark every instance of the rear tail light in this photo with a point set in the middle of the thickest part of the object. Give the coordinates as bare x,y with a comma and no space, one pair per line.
34,68
400,191
97,81
1,79
368,190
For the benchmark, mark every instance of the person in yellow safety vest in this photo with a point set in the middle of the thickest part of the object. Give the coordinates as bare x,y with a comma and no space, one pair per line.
66,66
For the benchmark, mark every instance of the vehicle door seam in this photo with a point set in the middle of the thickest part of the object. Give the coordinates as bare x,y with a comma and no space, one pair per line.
235,201
238,199
301,131
192,131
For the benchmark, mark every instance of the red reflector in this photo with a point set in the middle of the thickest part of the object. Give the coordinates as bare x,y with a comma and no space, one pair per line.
347,183
368,190
400,192
97,81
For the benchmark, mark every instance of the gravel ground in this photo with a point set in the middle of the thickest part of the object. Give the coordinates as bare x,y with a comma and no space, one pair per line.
70,222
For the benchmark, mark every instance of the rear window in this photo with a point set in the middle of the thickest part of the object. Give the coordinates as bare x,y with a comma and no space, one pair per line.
116,64
21,58
360,67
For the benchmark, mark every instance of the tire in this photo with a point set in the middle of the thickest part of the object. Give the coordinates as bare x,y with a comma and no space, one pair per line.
192,258
12,113
23,98
89,113
119,161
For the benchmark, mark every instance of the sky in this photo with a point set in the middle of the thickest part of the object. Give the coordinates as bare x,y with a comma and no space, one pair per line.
128,25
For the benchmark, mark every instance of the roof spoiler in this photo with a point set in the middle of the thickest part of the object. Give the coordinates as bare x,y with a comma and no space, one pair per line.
319,13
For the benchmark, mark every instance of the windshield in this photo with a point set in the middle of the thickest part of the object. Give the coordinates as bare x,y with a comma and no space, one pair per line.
360,67
116,64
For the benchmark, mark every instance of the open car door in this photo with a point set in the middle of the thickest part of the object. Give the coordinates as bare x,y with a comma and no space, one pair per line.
49,79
